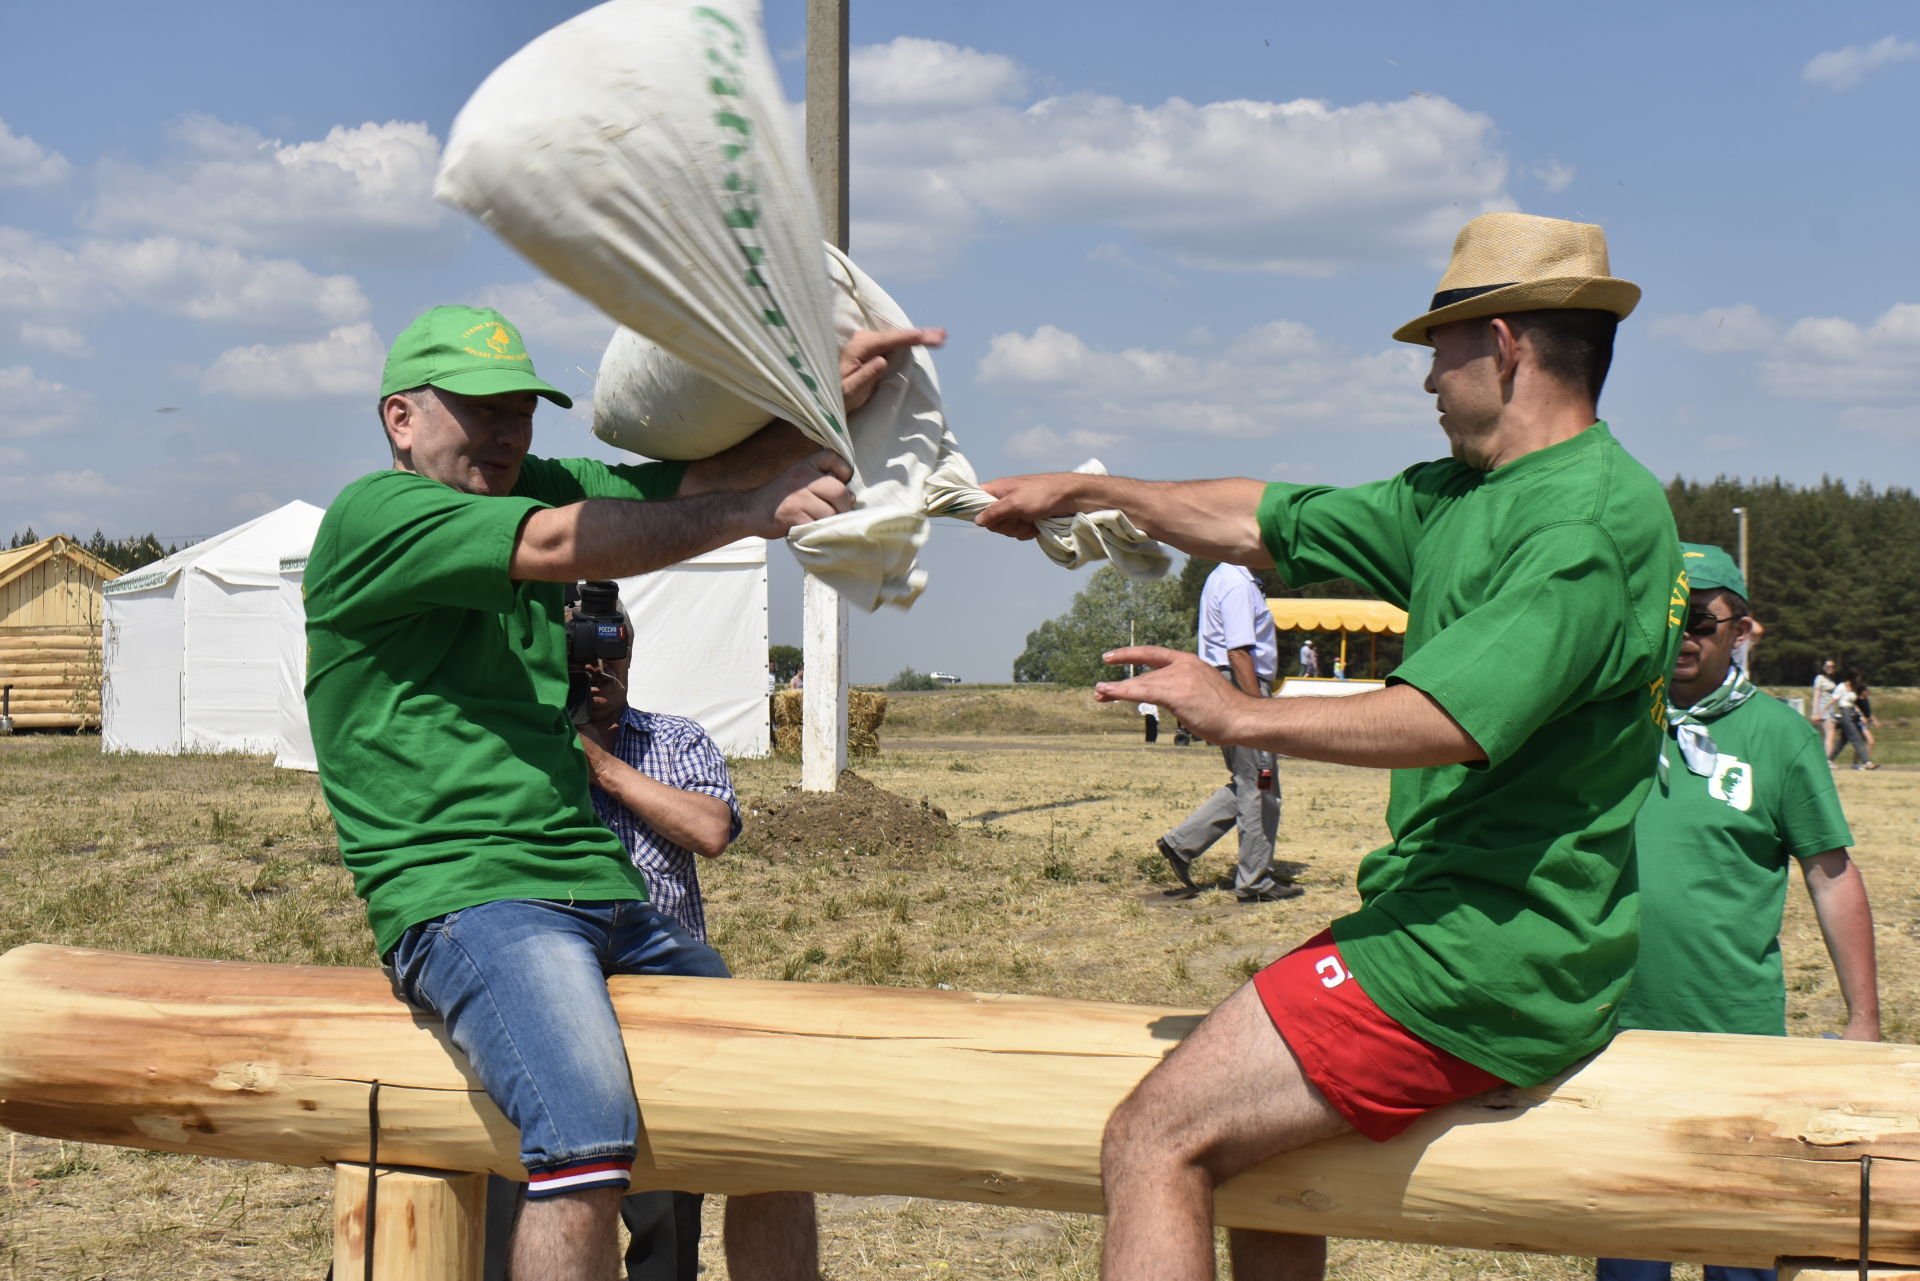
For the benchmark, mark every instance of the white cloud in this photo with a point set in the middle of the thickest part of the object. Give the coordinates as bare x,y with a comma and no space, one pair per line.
1270,381
1720,329
25,163
1553,175
51,283
1873,370
911,74
57,339
345,364
1045,443
1832,359
1301,187
1842,69
364,191
36,406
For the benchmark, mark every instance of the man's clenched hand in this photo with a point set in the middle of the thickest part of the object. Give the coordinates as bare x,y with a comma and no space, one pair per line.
812,489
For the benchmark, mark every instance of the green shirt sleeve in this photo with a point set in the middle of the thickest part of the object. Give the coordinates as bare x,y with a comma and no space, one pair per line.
1555,632
1366,533
559,481
405,544
1811,820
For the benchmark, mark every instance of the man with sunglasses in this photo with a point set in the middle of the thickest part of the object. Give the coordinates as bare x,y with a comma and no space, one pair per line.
1742,791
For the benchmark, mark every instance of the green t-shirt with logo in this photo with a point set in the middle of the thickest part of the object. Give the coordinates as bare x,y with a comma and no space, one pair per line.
1544,602
436,691
1713,854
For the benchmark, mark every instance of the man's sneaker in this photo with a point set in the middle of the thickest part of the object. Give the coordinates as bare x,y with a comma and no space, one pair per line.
1179,862
1272,894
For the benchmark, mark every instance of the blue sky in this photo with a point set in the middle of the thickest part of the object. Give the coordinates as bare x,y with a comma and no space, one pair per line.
1176,239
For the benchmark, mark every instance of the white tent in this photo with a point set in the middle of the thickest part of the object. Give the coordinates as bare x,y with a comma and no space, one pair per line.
207,650
191,643
700,643
295,750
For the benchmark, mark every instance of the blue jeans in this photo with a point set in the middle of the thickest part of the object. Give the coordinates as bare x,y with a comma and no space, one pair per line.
521,986
1641,1270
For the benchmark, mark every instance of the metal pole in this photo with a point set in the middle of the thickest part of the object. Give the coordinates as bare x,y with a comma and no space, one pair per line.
1746,570
823,739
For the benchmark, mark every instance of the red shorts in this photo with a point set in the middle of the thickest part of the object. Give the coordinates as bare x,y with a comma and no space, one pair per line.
1377,1075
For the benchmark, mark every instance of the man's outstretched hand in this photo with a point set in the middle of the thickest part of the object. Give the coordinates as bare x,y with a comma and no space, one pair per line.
863,361
1181,683
1027,500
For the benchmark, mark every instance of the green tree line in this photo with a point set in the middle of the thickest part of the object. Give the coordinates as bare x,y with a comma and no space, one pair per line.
121,553
1835,574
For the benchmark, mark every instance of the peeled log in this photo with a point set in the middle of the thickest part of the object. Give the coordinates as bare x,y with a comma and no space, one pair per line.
1735,1150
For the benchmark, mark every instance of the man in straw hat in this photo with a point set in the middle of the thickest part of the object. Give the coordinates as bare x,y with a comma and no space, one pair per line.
437,688
1541,574
1742,791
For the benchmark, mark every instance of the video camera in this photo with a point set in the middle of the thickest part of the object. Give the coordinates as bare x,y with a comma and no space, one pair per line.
597,633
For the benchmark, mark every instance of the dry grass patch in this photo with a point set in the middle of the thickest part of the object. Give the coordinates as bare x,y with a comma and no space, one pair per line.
1040,877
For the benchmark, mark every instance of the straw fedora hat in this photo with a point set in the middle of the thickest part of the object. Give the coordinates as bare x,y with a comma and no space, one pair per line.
1508,262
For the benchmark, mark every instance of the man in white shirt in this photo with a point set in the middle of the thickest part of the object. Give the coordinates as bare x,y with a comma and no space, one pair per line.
1236,636
1824,682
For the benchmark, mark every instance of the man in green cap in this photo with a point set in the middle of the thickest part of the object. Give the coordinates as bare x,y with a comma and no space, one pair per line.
1541,575
1743,791
436,688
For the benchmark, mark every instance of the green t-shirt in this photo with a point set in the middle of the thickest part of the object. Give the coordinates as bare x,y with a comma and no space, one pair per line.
436,691
1544,602
1713,854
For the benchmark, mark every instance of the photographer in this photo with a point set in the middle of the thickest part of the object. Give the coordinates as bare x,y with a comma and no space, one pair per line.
436,687
662,786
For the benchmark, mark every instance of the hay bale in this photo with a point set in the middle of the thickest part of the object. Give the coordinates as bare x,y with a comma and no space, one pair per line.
865,713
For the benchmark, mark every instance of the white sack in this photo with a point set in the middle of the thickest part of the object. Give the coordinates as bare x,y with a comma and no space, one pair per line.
653,404
643,155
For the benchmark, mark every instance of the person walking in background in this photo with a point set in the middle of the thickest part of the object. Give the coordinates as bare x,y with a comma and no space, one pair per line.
1824,683
1150,716
1849,727
1309,658
1237,637
1738,798
1863,700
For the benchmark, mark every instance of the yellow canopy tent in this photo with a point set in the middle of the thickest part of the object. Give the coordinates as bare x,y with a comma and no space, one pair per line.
1343,616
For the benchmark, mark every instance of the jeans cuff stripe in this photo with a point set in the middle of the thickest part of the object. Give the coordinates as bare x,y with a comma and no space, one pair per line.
572,1178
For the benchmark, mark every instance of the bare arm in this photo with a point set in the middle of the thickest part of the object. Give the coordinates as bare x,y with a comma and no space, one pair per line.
614,538
1395,728
693,820
1217,519
1839,895
1245,678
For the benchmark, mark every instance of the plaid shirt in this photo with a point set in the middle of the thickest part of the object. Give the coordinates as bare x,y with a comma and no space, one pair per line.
677,752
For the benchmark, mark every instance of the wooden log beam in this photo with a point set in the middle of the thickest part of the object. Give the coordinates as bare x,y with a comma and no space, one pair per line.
1736,1150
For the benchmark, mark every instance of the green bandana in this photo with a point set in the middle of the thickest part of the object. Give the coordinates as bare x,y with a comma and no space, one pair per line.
1689,724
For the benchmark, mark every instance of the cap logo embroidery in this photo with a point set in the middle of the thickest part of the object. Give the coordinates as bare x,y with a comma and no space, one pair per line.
504,344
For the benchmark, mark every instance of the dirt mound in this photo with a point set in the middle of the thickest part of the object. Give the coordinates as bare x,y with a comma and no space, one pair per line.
859,819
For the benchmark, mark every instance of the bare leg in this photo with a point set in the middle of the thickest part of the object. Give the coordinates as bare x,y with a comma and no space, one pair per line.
772,1236
568,1237
1229,1097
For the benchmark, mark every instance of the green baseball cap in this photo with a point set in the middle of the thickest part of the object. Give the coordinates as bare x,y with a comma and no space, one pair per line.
469,351
1708,566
